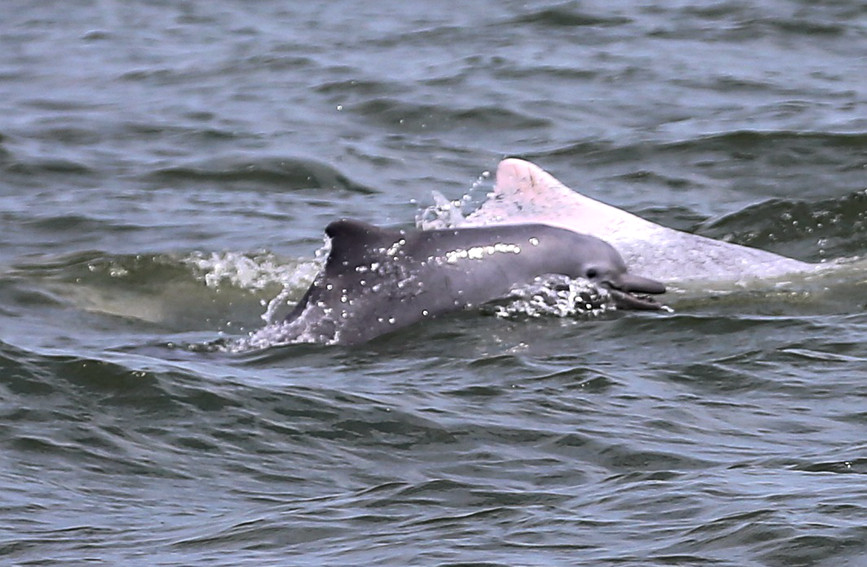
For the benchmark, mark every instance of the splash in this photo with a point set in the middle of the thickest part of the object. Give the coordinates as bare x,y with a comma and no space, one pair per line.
272,335
252,273
555,295
450,214
258,273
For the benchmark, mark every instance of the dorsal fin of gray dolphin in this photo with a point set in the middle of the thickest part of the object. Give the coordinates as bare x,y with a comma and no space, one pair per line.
354,243
378,280
526,193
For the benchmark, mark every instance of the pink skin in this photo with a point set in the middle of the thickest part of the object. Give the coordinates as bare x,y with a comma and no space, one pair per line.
525,193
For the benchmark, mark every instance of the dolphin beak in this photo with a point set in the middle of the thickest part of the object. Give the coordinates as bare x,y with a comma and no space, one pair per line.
628,301
632,283
626,288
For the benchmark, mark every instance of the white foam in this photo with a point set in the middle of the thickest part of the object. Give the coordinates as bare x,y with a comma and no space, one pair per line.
257,273
555,295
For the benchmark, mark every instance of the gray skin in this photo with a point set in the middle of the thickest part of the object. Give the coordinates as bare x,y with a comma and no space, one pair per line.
376,280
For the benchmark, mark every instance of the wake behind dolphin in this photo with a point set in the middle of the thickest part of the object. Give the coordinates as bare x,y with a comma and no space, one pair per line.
376,280
526,193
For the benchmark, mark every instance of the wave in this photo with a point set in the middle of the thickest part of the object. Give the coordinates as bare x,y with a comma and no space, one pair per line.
754,142
39,166
182,292
419,117
276,173
562,16
824,229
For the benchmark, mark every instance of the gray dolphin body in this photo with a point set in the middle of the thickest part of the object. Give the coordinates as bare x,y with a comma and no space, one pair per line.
376,280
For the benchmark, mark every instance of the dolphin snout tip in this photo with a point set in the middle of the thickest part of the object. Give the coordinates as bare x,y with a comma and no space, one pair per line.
638,284
625,300
630,292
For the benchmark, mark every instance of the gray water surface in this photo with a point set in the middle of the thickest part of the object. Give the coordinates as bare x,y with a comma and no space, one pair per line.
167,169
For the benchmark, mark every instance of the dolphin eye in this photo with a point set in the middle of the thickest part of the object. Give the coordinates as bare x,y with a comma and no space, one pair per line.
591,273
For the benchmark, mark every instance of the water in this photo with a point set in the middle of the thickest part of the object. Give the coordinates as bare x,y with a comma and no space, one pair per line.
168,168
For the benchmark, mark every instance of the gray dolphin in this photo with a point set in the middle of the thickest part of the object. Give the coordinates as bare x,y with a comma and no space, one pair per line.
377,280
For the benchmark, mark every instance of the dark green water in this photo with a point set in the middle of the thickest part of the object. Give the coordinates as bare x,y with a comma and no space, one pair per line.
167,168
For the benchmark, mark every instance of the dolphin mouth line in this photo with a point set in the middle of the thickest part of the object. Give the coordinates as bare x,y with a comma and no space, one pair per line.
638,301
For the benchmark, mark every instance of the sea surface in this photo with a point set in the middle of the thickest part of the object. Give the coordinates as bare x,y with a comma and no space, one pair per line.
166,172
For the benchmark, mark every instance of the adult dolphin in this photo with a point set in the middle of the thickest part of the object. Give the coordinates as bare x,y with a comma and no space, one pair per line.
377,280
526,193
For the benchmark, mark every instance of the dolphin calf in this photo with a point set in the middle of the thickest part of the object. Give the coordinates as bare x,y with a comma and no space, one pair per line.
377,280
525,193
